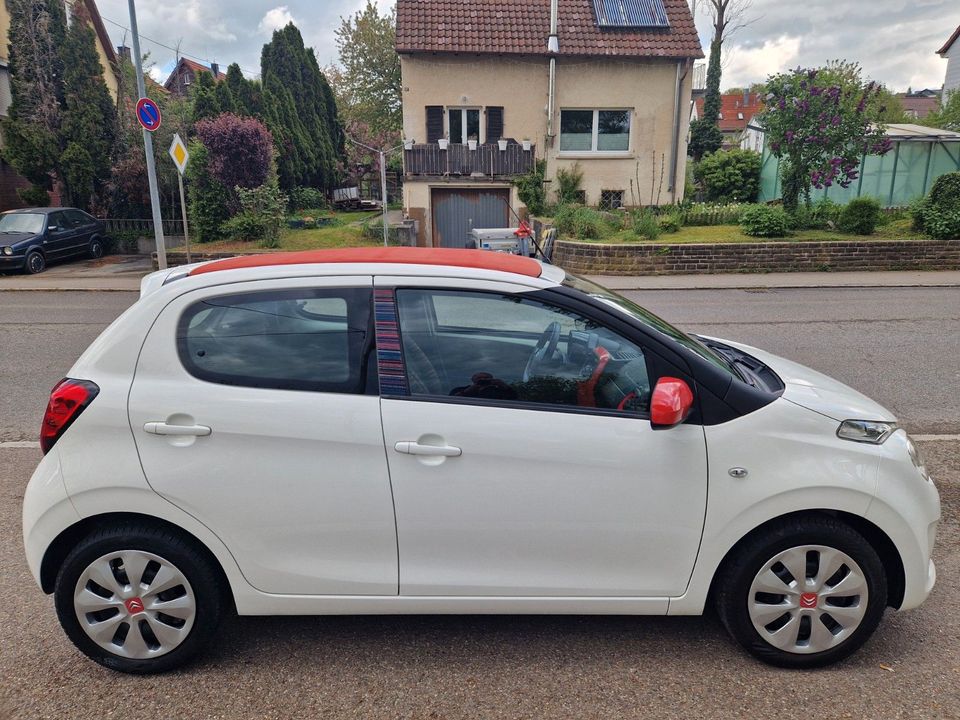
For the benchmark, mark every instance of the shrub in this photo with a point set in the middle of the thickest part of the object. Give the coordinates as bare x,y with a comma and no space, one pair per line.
240,149
568,184
208,198
823,214
946,191
646,224
764,221
729,176
671,221
531,190
581,222
307,198
711,214
936,221
860,216
266,204
245,226
34,196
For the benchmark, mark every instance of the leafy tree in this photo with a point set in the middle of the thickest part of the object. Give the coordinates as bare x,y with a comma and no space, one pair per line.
240,150
300,110
705,135
370,81
730,177
947,117
31,129
208,197
88,128
820,122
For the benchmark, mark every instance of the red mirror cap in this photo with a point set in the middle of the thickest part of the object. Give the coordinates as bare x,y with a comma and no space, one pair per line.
671,402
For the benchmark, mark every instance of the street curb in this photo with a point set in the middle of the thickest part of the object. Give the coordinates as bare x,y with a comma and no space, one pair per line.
70,289
775,287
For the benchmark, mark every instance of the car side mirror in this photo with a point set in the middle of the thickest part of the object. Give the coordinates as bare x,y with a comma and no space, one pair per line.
671,403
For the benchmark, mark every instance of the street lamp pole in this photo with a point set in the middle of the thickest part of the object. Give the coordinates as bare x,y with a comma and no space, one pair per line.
148,148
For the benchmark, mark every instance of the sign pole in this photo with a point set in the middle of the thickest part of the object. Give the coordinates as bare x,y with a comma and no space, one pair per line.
183,209
148,148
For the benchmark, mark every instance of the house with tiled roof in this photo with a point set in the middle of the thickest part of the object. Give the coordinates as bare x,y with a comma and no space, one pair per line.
918,104
736,112
492,86
951,51
185,74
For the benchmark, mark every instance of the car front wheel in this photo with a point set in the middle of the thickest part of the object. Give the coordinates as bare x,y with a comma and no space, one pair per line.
35,263
138,599
806,594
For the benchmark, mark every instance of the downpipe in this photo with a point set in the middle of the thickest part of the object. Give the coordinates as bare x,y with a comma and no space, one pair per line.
683,67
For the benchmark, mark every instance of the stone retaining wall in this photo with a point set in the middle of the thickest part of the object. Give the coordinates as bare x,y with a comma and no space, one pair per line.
659,259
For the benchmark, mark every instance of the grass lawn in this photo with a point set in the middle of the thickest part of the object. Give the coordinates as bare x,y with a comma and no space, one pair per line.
893,230
346,230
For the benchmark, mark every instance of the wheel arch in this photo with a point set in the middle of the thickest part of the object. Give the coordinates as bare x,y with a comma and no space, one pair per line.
58,550
878,539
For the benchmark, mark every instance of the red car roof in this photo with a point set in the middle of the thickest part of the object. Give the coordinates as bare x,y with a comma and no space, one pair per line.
477,259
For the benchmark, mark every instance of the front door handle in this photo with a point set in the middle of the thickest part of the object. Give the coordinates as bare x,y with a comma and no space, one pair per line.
162,428
409,447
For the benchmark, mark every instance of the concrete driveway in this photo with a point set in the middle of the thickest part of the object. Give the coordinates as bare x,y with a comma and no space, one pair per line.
113,272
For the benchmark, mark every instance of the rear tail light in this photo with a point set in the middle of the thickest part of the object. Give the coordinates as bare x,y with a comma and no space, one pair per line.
67,400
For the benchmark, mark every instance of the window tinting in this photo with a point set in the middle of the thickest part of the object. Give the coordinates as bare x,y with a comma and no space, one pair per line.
302,339
510,349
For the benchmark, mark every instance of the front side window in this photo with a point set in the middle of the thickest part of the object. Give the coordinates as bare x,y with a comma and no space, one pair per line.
464,124
305,339
507,349
594,131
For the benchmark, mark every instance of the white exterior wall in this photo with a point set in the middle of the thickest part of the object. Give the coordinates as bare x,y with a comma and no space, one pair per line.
952,82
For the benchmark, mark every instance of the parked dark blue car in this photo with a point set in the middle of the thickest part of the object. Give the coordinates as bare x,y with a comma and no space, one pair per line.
32,237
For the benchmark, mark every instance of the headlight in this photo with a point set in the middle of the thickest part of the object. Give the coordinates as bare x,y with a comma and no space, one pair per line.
866,431
8,251
917,459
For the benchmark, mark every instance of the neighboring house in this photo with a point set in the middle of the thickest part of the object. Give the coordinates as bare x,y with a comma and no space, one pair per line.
185,74
951,51
919,104
607,89
736,113
10,182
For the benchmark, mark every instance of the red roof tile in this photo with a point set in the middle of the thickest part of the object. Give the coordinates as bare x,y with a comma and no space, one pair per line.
522,27
731,106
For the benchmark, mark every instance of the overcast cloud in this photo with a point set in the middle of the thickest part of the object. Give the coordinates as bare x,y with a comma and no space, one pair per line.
894,40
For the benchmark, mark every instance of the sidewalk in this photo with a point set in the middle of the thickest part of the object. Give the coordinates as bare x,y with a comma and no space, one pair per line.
119,273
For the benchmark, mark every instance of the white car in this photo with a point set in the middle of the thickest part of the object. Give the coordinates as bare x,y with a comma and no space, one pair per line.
377,431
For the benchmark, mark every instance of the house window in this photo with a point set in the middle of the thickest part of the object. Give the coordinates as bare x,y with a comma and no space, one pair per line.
739,116
594,131
464,124
611,199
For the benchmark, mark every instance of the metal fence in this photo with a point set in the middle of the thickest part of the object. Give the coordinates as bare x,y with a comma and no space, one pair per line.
143,226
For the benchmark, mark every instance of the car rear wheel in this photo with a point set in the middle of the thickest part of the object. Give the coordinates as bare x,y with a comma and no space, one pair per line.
138,599
96,248
35,262
806,594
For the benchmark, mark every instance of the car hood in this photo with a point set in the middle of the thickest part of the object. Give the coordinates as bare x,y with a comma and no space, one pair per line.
12,239
818,392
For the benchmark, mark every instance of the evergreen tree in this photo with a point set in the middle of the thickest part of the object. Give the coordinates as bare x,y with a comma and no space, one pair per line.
300,111
88,129
705,135
206,104
247,95
31,129
225,100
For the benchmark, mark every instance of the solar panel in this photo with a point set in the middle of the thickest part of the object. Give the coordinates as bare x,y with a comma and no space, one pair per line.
631,13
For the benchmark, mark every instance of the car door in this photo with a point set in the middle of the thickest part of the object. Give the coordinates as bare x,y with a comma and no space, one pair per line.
255,409
58,240
83,226
512,479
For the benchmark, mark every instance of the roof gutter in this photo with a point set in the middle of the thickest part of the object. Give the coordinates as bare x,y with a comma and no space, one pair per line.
553,47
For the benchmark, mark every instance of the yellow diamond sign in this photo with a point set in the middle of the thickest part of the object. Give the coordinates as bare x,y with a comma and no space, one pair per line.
178,151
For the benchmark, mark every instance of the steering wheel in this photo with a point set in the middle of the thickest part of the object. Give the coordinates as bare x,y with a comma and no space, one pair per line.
544,350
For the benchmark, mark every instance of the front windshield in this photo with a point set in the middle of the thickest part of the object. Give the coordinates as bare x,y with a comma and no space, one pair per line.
630,308
21,223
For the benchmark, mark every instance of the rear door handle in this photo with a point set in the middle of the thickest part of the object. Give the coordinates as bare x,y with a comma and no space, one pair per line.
162,428
409,447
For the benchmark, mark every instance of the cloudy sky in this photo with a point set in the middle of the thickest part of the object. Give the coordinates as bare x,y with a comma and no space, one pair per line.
894,40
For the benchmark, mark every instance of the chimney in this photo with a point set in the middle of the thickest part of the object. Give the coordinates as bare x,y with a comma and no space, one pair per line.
215,69
124,52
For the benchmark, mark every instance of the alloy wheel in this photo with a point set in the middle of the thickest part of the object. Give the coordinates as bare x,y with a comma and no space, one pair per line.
808,599
135,604
36,262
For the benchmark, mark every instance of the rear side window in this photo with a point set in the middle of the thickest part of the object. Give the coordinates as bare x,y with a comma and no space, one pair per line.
77,218
305,339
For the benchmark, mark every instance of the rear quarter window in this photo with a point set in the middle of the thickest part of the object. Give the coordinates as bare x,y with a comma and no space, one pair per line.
305,339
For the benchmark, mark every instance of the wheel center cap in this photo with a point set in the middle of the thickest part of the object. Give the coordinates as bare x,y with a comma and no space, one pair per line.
808,600
134,605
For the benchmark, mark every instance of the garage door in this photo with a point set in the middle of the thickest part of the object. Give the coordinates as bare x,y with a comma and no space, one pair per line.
456,211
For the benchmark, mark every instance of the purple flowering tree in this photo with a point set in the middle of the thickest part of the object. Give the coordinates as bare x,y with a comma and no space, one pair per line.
820,123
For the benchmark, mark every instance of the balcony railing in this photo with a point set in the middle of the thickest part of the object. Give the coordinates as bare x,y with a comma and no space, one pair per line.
460,161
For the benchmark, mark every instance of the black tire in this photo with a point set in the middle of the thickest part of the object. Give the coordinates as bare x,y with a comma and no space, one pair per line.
35,263
96,248
736,578
181,552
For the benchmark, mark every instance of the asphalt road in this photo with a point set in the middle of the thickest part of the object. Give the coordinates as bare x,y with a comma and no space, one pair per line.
898,345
